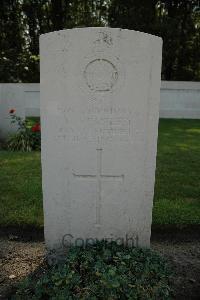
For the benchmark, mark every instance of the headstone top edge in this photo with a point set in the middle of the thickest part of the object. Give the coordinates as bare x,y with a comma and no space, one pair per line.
114,29
14,83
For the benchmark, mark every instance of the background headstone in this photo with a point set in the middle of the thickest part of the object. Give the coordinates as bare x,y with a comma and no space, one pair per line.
100,90
11,97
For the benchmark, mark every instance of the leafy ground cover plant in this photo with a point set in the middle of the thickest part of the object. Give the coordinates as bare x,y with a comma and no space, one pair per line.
26,138
102,271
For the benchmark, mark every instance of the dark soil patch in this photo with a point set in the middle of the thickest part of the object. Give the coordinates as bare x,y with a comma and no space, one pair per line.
17,260
25,234
172,233
185,260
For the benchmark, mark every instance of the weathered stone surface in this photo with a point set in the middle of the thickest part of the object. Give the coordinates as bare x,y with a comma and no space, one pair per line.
100,90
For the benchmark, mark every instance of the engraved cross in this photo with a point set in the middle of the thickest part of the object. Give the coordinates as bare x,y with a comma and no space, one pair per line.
98,178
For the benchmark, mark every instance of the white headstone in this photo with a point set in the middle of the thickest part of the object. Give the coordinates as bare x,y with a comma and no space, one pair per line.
100,90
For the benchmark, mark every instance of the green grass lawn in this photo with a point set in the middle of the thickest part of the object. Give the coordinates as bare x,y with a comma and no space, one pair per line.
177,189
20,189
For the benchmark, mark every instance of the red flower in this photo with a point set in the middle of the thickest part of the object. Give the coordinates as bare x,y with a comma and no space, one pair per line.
12,111
36,127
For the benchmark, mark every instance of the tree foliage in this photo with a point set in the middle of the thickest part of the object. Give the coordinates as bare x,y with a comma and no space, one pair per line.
22,21
176,21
